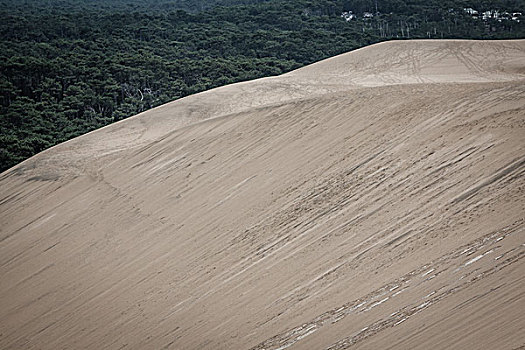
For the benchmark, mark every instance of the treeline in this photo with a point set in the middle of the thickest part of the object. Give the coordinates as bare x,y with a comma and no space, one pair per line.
143,6
68,67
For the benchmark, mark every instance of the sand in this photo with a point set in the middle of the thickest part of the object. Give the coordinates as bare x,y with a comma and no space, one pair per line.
374,200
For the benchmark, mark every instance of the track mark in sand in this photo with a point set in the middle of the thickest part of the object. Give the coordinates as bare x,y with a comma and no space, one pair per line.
29,226
234,190
366,161
456,160
445,268
513,166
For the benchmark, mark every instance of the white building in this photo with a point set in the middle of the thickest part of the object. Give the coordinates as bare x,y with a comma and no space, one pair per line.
471,11
348,16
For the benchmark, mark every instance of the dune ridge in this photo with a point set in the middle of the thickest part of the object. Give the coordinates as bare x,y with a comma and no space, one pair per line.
371,200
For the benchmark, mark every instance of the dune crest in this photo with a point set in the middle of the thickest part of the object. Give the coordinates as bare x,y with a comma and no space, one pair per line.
370,200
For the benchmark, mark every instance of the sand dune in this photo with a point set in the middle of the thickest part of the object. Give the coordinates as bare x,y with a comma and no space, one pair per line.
373,200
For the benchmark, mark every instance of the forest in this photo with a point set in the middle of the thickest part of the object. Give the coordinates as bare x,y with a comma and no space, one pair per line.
70,66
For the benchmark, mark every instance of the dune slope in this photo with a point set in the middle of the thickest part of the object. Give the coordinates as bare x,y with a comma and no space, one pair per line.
371,200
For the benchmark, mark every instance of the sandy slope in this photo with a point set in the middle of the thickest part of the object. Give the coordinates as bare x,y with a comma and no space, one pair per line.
372,200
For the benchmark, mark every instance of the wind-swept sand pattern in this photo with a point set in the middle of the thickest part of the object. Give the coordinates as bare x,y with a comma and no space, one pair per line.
371,200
